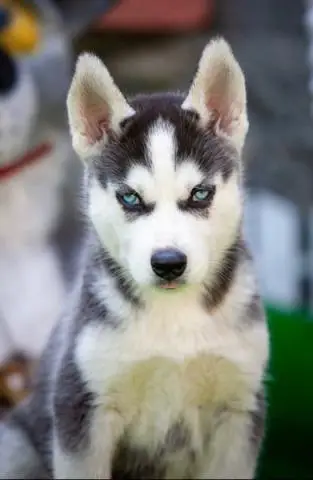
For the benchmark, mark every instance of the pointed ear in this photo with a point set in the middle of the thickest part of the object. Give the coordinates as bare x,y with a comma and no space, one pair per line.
95,106
218,93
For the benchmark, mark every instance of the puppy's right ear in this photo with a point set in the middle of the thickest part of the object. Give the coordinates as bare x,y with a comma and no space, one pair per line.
95,106
218,92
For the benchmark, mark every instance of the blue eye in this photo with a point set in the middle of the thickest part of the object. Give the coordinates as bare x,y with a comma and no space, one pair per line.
200,195
129,200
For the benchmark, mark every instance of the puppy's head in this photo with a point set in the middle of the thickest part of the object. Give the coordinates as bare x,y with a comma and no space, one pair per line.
164,170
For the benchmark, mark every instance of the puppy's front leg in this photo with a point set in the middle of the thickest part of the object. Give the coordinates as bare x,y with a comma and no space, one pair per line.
233,449
85,430
94,459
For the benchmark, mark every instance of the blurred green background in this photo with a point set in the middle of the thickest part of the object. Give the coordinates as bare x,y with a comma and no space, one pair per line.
288,450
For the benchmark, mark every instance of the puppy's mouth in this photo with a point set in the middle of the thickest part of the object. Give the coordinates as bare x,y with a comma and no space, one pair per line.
170,285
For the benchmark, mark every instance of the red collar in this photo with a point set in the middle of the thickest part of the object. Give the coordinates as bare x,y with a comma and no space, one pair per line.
28,159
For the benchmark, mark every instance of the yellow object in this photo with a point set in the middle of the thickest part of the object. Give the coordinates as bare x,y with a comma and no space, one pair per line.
22,35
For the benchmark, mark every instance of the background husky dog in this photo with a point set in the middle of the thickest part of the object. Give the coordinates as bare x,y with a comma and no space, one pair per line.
32,173
157,369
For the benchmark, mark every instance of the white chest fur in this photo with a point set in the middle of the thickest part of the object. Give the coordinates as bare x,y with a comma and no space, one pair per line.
172,361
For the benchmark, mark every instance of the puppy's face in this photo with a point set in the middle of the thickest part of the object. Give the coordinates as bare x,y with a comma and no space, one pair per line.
164,171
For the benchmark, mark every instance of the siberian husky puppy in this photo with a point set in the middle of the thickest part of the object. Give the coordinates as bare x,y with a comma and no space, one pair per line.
156,371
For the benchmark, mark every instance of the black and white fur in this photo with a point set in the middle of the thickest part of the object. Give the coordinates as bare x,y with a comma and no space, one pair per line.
141,381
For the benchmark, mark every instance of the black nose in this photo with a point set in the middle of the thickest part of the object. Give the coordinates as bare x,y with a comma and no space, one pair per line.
168,263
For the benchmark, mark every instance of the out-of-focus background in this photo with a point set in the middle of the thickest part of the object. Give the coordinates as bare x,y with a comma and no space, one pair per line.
155,45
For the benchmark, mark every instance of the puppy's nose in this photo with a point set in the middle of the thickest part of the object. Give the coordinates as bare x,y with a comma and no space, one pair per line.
168,263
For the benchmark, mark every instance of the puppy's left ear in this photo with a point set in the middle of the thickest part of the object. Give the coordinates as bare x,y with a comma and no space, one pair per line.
218,93
95,105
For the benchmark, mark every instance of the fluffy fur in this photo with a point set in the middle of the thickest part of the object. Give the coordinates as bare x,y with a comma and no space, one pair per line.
145,378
